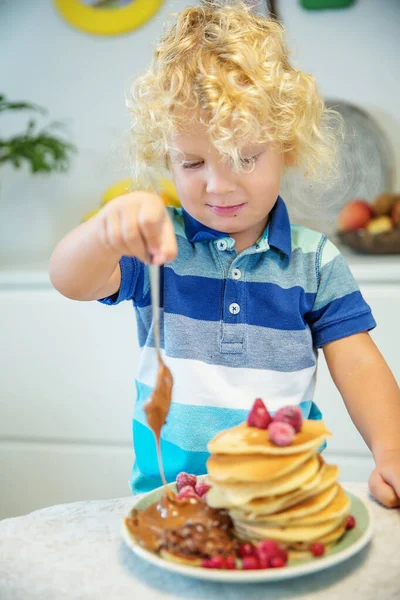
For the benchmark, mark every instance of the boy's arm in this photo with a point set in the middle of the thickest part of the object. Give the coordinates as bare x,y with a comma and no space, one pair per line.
85,264
372,398
81,268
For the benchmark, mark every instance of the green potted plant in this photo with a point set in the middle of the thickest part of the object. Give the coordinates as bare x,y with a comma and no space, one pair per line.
41,149
27,223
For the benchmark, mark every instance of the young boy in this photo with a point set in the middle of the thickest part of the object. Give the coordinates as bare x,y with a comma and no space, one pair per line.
247,298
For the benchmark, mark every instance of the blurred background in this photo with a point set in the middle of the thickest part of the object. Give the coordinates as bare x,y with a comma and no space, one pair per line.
67,368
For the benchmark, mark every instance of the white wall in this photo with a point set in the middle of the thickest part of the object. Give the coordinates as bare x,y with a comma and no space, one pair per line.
81,78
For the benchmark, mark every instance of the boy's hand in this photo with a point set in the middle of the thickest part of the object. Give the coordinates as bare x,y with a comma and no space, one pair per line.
137,223
384,483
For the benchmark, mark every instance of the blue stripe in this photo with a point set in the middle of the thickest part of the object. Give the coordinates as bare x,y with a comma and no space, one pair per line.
193,296
269,305
340,318
343,329
265,305
133,282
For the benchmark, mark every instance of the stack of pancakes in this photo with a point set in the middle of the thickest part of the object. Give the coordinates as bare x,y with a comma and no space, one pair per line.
284,493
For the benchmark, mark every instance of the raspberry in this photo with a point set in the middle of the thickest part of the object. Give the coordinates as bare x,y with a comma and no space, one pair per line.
281,434
259,416
267,548
206,563
230,563
185,479
277,562
251,563
201,488
246,549
283,555
217,562
187,492
264,560
318,549
291,415
351,522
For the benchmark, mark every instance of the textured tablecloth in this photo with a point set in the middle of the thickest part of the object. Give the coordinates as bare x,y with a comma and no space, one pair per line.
75,551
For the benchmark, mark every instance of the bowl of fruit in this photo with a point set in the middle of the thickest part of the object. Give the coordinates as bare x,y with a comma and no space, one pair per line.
371,228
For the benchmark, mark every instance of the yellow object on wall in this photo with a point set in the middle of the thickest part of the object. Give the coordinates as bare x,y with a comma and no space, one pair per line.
166,187
107,17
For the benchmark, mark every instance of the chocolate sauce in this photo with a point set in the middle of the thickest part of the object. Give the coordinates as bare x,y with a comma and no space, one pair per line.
157,407
185,527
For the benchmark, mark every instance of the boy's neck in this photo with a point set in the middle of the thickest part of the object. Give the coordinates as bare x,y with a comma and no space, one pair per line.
246,239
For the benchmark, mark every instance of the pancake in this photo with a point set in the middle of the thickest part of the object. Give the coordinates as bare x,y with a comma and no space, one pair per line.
237,494
324,478
283,493
303,554
311,505
253,467
338,508
302,551
292,533
243,439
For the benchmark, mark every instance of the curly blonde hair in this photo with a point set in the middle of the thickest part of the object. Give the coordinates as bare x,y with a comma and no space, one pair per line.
231,68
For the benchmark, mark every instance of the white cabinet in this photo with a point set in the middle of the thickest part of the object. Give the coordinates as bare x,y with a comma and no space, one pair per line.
67,368
67,392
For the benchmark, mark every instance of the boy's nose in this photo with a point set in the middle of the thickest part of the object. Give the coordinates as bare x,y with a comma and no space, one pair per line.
219,183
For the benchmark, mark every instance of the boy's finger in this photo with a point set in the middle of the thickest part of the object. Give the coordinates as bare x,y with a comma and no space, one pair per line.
112,233
151,217
169,248
133,241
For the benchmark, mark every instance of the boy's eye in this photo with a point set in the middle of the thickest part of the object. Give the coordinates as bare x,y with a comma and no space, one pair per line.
249,160
192,165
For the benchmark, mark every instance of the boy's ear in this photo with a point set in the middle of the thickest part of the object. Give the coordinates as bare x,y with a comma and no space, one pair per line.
290,157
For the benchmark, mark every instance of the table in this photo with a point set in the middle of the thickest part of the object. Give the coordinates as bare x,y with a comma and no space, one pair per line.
75,551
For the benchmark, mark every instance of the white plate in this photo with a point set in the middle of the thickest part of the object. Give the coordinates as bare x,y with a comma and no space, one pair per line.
352,542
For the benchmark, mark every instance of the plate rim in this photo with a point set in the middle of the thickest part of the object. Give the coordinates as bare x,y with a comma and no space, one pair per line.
256,576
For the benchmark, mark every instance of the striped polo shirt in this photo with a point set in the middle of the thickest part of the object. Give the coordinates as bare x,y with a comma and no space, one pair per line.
234,327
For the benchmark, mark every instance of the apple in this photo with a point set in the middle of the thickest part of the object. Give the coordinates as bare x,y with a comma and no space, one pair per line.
354,215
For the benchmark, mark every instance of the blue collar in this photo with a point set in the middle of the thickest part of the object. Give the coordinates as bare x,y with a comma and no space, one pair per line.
279,235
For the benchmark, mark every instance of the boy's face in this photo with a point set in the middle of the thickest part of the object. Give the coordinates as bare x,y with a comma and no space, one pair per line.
212,193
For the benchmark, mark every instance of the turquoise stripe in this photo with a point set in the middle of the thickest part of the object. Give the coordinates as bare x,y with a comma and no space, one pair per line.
189,427
145,474
192,427
306,239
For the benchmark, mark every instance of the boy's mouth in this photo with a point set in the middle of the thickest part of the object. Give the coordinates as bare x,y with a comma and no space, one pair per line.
226,210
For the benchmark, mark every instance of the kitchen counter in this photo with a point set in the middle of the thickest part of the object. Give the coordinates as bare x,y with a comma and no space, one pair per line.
75,551
365,268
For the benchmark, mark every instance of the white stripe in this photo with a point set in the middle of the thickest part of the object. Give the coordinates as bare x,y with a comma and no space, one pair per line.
200,384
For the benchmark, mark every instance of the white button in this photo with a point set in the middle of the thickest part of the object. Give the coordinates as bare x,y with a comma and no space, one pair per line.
236,273
222,245
234,308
